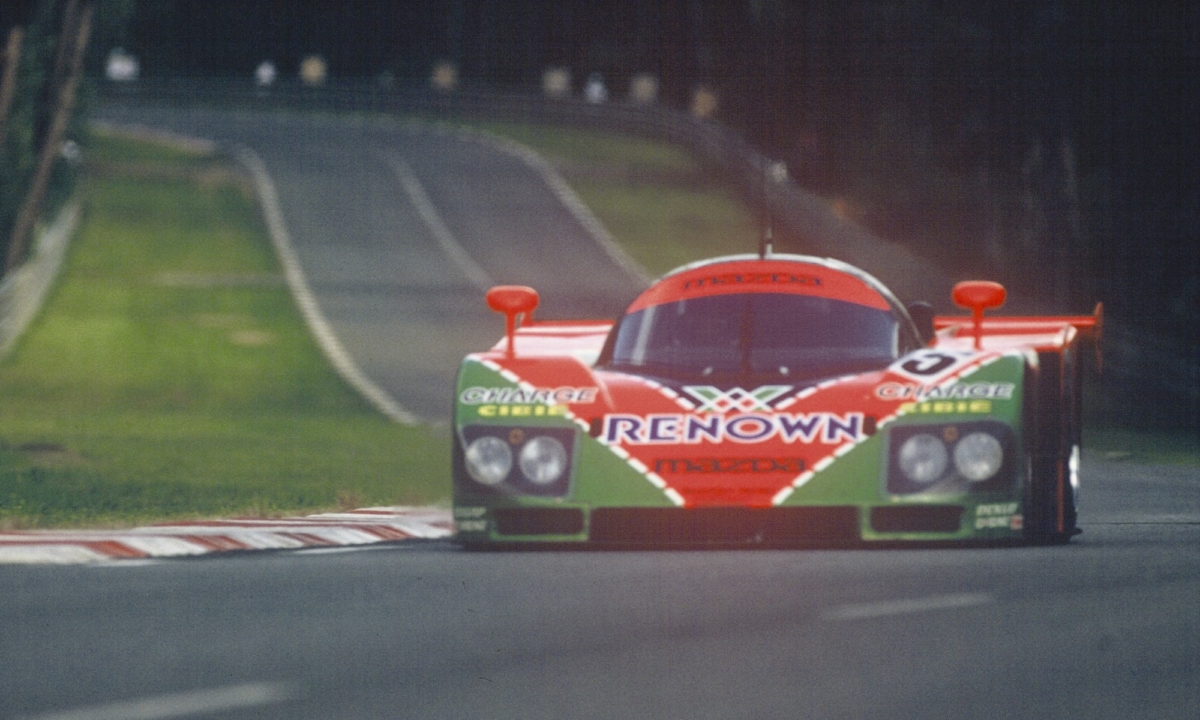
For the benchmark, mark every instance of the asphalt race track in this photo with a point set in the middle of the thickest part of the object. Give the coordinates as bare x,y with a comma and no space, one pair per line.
1107,626
400,229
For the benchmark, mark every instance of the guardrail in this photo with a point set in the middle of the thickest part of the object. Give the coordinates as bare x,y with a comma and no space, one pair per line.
806,219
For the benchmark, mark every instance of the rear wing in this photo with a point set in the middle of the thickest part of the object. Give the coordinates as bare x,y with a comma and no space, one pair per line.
1036,331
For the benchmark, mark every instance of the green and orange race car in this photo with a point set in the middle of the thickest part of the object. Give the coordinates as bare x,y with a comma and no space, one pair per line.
773,400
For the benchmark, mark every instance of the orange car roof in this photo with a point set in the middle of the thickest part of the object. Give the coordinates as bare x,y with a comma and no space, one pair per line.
789,274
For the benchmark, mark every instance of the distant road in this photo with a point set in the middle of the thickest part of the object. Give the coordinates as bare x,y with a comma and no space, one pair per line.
1106,627
399,229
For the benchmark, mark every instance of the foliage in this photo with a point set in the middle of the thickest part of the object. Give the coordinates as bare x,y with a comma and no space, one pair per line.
33,104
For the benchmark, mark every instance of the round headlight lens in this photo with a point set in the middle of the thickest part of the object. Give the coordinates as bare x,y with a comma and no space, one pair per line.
978,456
923,458
489,460
543,460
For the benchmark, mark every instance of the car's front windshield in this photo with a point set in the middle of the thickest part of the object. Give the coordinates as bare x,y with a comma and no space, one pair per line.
773,334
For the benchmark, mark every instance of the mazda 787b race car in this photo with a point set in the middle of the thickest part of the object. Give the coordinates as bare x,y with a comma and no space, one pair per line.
773,400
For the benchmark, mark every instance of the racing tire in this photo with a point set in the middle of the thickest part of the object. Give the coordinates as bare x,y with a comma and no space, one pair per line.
1052,420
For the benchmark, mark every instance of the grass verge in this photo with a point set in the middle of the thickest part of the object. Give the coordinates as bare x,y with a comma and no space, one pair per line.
170,375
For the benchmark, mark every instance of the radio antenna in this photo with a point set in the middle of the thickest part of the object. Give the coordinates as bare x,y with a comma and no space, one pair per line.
766,242
768,170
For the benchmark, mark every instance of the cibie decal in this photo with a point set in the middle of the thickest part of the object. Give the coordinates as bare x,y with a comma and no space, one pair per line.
535,396
716,400
675,428
928,365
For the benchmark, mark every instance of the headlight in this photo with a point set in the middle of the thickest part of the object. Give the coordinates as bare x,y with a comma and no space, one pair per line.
978,456
923,458
543,460
489,460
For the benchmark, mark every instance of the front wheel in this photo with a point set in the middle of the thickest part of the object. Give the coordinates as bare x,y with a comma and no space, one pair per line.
1052,447
1051,513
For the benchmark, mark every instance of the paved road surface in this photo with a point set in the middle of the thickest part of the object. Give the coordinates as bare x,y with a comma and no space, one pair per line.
1108,626
400,229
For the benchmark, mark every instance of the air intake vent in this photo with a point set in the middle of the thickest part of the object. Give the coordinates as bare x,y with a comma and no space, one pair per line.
724,525
539,521
917,519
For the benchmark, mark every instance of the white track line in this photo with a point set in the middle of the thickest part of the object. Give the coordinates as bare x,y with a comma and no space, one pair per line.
558,185
160,707
306,301
433,220
887,608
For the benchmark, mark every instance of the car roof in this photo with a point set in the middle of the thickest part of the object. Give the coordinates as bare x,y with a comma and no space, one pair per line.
774,273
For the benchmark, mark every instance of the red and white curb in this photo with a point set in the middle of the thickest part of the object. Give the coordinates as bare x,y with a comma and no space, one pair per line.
357,527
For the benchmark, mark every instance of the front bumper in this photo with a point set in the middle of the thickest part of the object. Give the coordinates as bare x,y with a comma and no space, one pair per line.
739,526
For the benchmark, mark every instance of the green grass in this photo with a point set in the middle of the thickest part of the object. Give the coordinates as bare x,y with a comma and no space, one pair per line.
663,206
171,376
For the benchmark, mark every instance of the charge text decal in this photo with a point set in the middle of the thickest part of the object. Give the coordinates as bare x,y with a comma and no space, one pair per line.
954,391
520,396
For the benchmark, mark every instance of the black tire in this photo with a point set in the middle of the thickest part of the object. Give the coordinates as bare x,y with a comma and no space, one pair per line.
1052,418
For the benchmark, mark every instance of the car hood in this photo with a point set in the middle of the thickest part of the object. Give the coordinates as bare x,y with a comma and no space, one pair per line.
728,443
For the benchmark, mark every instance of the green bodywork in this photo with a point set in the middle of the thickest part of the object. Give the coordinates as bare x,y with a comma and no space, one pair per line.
600,478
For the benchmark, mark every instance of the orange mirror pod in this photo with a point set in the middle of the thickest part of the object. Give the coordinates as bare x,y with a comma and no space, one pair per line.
982,294
512,300
977,296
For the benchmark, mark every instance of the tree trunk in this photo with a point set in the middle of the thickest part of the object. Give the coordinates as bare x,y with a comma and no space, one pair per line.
63,53
77,36
8,84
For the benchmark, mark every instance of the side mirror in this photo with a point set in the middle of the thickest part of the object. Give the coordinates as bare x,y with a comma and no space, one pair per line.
921,313
977,296
512,300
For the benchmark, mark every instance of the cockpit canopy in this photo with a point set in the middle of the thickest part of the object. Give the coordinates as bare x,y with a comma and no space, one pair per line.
785,317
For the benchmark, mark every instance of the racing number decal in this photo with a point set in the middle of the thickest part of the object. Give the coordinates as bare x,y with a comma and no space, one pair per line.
925,365
931,364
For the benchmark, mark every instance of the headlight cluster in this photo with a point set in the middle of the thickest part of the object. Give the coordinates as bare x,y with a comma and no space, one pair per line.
923,458
956,458
978,456
489,460
543,460
534,461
